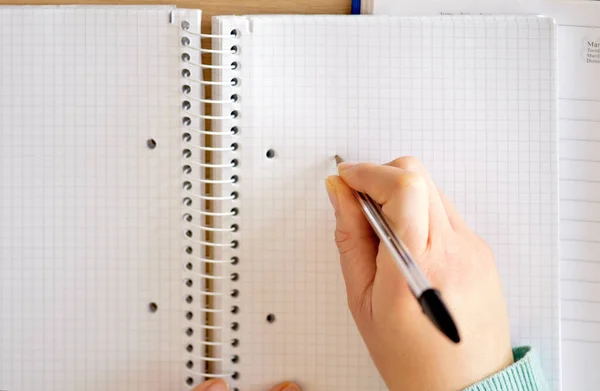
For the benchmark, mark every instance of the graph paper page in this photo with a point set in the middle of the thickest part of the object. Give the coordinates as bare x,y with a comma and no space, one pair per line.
579,82
89,214
474,98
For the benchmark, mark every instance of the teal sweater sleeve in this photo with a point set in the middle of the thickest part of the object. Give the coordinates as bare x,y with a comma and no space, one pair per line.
524,375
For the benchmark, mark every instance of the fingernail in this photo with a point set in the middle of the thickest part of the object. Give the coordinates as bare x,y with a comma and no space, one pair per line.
332,194
217,385
291,387
346,166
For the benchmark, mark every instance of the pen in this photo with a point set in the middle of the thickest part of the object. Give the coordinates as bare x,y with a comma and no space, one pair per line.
428,297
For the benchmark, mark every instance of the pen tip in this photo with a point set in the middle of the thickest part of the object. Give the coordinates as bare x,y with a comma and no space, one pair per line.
435,309
338,159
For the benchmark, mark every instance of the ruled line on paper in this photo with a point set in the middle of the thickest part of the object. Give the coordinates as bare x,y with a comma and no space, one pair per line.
580,340
581,240
583,201
580,220
588,140
580,280
579,119
580,300
580,180
581,320
580,260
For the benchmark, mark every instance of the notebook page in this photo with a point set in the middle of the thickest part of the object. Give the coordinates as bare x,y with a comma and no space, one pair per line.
473,98
579,103
579,91
90,230
577,26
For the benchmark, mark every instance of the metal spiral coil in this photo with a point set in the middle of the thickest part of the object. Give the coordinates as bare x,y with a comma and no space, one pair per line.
196,231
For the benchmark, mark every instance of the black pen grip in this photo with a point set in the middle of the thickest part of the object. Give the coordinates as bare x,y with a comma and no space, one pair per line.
433,306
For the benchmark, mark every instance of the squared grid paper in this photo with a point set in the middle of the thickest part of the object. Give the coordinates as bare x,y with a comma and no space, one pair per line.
89,216
472,97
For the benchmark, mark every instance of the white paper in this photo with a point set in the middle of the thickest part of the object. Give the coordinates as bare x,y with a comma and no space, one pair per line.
474,98
579,88
579,127
90,217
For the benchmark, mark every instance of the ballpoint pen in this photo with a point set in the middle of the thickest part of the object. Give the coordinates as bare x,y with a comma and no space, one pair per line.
428,297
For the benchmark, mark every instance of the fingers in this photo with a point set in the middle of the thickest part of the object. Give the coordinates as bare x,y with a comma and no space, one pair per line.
213,385
220,385
456,220
380,182
408,212
438,213
404,197
356,242
287,386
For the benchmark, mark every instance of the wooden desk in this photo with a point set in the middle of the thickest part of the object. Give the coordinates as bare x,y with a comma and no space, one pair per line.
227,7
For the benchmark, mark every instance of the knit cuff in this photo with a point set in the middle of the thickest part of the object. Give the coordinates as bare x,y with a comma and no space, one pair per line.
524,375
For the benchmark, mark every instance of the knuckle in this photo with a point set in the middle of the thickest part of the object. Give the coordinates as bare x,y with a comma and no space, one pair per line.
486,255
409,179
483,252
474,260
410,163
354,304
359,306
356,308
431,264
343,241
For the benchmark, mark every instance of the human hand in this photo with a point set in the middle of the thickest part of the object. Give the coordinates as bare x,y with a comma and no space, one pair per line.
220,385
409,352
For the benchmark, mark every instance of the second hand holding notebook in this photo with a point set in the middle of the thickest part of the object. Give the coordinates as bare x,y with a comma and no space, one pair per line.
428,297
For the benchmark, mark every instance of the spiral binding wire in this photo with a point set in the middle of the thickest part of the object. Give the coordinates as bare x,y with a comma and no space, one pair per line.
194,130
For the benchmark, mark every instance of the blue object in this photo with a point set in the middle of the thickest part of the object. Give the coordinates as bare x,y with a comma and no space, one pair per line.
355,10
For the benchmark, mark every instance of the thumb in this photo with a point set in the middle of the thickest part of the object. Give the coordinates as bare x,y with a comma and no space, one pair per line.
403,196
220,385
356,242
287,386
213,385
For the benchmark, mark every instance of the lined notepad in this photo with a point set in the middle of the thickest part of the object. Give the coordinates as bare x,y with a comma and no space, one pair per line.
473,97
580,200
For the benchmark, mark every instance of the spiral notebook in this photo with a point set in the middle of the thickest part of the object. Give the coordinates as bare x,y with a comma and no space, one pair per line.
154,235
